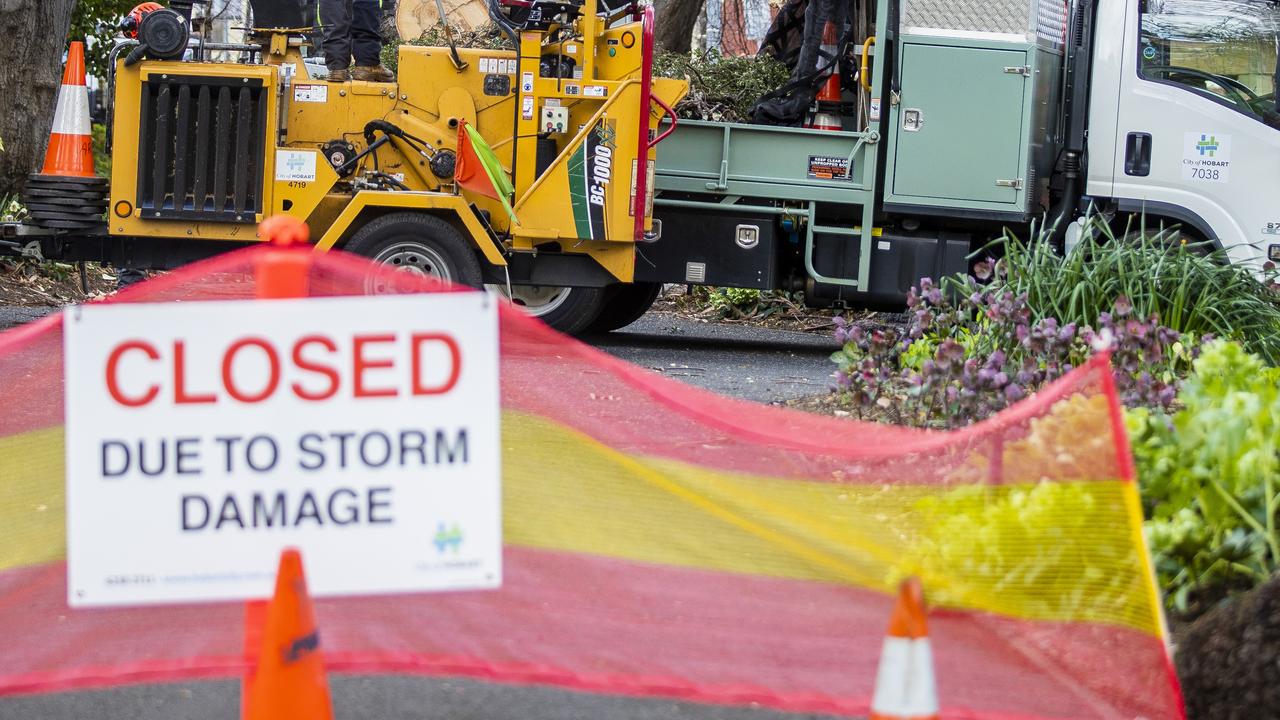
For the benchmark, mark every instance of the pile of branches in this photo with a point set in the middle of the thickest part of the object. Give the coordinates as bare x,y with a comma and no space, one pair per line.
488,37
721,88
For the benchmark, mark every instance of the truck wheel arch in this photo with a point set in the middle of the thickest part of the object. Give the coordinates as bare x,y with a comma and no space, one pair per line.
1157,212
367,207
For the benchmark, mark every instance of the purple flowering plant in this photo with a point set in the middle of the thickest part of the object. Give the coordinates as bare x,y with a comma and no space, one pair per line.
969,350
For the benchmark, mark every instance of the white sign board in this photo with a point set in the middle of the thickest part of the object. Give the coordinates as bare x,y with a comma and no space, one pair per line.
203,438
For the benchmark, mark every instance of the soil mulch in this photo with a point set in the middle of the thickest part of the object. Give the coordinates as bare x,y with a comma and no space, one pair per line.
775,313
27,283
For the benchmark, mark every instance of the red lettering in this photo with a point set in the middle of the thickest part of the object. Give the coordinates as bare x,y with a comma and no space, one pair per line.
455,360
311,366
113,365
228,378
180,394
361,364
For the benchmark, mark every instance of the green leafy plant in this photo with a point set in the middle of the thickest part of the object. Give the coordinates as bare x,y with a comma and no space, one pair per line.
1192,288
101,158
959,362
97,22
1210,477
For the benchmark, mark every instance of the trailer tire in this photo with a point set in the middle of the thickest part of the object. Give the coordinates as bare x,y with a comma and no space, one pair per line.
625,304
418,243
571,310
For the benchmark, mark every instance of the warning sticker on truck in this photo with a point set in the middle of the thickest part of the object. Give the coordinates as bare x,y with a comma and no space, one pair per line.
826,167
1206,157
311,93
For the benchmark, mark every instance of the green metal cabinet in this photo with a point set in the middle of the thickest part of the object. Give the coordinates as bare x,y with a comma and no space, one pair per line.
960,130
972,129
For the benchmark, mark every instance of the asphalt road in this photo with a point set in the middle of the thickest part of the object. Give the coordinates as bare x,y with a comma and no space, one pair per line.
748,362
366,697
754,363
12,316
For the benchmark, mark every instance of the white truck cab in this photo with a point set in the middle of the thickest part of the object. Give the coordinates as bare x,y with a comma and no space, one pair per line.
1183,118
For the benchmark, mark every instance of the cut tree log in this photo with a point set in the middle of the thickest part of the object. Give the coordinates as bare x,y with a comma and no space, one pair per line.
415,17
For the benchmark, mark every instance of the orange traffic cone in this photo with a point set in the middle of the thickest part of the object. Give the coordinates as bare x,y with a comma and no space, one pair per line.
829,93
70,152
289,682
905,687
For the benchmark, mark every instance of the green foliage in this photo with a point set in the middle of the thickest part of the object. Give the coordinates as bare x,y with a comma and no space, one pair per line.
1210,477
721,88
960,361
727,301
101,158
97,22
11,207
1032,549
1192,289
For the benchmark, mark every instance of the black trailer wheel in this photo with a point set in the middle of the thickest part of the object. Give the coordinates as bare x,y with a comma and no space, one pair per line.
417,243
571,310
624,304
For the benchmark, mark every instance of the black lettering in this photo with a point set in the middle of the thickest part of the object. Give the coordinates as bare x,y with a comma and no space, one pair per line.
227,443
181,454
307,508
108,470
264,516
300,648
229,512
365,455
419,445
353,508
376,504
342,438
142,458
260,441
305,446
450,453
187,524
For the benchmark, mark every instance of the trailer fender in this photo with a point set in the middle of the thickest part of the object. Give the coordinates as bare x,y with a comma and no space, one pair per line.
452,206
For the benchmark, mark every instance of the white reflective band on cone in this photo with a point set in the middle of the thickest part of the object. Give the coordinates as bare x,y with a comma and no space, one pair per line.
72,114
830,51
904,684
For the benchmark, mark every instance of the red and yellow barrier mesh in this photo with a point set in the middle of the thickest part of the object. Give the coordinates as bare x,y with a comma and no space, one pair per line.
665,541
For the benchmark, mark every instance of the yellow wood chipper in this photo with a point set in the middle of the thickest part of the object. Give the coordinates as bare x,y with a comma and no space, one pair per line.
202,151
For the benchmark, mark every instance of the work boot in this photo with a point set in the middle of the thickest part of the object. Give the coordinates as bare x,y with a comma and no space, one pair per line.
373,73
343,75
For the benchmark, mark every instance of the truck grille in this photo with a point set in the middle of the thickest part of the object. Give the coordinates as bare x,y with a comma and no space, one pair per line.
201,142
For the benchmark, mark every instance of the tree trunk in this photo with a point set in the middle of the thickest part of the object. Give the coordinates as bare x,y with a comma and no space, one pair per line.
675,21
34,33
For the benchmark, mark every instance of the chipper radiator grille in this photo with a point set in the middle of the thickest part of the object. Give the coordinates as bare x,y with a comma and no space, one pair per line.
201,145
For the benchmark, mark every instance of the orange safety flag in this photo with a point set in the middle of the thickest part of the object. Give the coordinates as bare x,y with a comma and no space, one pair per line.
479,169
70,152
289,681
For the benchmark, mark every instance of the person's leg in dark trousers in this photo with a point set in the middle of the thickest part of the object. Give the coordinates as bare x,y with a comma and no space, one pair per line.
366,32
334,19
366,41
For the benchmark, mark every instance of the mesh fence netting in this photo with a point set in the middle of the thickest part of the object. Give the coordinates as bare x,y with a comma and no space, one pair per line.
664,541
